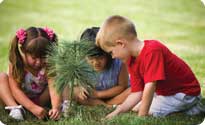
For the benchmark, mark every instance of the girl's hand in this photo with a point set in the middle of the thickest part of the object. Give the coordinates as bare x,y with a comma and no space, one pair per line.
82,93
54,114
39,112
95,94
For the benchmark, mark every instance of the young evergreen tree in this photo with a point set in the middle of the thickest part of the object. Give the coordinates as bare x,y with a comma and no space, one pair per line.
68,67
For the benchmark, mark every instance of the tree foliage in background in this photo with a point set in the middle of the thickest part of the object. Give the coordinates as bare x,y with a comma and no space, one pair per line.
67,65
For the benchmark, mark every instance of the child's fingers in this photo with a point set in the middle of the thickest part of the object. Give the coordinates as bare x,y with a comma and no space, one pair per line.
54,114
83,96
86,92
50,112
57,116
42,115
109,116
112,114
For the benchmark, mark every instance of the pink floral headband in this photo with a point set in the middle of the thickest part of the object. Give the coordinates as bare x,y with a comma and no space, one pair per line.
21,34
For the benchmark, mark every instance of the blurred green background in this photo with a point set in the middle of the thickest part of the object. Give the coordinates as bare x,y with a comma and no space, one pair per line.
180,24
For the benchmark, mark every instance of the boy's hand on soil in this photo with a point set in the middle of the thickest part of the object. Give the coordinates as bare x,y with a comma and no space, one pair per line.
114,113
111,115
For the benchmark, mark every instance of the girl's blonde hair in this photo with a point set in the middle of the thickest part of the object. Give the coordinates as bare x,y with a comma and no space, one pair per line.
36,43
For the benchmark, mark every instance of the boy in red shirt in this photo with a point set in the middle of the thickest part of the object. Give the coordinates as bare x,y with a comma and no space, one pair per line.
161,82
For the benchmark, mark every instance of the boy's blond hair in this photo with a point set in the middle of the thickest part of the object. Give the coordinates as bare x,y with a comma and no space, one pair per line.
115,27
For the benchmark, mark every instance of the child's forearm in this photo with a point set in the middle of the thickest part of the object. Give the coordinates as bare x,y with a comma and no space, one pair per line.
56,102
147,97
110,92
128,104
131,101
56,98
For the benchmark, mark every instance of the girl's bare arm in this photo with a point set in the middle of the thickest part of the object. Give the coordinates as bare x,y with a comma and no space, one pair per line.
120,87
56,98
22,99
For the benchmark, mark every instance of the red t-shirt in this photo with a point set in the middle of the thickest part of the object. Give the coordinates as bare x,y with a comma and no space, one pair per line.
157,63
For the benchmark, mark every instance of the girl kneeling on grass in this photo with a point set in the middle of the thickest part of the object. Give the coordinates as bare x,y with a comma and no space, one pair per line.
112,77
27,83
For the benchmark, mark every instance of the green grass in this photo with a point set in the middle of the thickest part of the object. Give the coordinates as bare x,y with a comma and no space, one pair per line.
83,115
179,24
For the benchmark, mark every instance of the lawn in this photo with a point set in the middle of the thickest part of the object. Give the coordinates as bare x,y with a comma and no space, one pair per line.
179,24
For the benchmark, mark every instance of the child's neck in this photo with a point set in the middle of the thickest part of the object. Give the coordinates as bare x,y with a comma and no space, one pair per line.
136,47
31,70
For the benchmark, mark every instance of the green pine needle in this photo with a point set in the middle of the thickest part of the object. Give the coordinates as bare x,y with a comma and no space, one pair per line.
67,65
